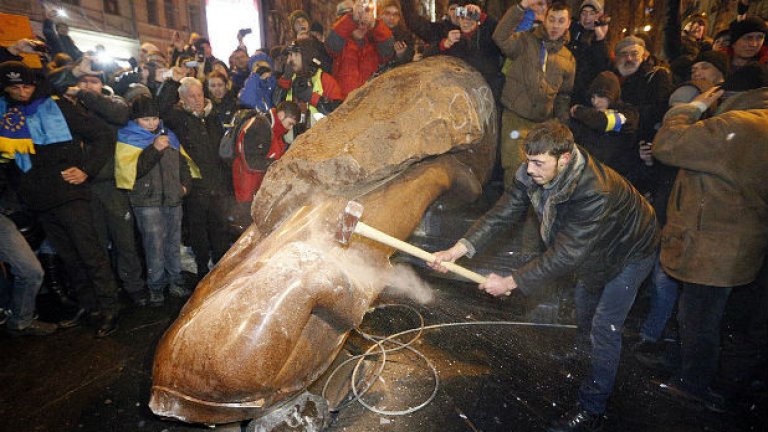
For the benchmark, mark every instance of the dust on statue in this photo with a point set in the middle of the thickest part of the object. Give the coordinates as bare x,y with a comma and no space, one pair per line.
274,313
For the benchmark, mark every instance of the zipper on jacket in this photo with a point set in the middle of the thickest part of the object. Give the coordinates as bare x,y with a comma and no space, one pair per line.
700,215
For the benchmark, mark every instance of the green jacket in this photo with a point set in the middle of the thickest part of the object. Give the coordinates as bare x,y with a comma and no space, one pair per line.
534,91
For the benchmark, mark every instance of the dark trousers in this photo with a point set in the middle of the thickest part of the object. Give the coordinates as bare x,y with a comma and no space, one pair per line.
114,222
602,316
206,221
699,314
69,228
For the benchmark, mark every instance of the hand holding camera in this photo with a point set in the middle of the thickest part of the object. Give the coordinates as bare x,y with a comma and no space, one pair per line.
470,12
601,27
161,142
362,12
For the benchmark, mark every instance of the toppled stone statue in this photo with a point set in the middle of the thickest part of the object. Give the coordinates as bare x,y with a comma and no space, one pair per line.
273,314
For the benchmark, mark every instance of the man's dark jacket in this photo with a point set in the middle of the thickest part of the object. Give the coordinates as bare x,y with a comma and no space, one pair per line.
593,224
43,187
648,89
200,137
591,58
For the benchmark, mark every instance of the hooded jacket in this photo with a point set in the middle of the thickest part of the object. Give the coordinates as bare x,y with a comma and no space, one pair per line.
592,222
717,217
540,77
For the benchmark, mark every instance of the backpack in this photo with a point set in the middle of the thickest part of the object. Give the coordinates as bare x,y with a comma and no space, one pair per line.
227,143
250,150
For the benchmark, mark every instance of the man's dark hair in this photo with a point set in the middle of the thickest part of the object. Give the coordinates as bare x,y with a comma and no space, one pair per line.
290,109
559,6
550,137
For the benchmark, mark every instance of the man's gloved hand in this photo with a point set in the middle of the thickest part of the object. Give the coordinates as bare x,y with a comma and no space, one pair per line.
302,89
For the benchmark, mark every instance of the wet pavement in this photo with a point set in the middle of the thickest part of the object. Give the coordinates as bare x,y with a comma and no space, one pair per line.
492,377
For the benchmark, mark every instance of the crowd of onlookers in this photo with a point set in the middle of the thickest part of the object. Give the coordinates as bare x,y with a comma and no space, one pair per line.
121,165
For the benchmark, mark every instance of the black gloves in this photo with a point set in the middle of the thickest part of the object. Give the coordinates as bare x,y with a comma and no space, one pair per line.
302,89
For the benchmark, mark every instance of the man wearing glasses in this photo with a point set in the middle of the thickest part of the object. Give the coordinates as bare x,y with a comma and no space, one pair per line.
643,84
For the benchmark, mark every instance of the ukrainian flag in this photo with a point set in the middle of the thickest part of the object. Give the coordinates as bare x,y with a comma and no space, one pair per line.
131,141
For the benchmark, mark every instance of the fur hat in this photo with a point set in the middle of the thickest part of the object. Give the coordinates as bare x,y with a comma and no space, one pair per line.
606,84
628,42
15,72
597,5
144,106
750,24
718,59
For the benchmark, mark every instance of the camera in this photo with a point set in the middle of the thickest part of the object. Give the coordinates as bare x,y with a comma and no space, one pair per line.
463,12
601,23
242,32
368,5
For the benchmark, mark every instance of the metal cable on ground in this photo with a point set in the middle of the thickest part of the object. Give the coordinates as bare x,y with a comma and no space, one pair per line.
379,341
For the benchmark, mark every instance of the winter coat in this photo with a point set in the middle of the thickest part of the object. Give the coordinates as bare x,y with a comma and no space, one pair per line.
717,218
115,112
613,142
479,51
592,222
355,61
200,136
430,32
160,176
43,187
591,58
533,91
648,89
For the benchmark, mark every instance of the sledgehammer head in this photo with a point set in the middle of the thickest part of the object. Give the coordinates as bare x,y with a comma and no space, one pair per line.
348,221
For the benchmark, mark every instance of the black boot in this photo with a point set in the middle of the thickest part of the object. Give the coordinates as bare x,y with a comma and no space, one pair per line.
52,279
108,325
81,317
577,419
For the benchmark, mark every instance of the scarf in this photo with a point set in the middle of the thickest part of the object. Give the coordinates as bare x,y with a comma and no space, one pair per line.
26,125
131,141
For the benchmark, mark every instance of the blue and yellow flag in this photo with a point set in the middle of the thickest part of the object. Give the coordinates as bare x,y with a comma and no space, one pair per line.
131,141
26,125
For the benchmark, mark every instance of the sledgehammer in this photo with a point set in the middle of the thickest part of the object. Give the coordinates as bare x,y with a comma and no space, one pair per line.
349,223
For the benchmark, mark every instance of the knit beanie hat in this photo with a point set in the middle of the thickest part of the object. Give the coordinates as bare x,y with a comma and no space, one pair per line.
628,42
343,7
606,84
144,106
718,59
295,15
749,25
15,72
597,5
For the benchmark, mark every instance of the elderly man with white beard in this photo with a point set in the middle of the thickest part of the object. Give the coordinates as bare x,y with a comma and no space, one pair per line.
643,84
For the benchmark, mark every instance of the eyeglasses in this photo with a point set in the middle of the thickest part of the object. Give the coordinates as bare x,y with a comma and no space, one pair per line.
631,54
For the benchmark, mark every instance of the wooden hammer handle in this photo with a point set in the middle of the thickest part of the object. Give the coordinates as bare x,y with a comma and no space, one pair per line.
374,234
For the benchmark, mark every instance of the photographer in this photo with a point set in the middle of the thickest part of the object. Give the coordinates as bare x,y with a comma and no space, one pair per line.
473,43
589,48
359,44
57,36
301,27
305,83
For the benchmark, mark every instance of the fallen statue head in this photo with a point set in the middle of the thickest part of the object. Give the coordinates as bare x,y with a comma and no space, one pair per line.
273,314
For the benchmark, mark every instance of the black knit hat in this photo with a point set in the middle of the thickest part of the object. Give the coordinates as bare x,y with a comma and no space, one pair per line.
606,84
144,106
749,24
718,59
15,72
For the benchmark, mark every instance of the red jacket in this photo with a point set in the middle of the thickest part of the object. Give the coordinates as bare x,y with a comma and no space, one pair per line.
355,61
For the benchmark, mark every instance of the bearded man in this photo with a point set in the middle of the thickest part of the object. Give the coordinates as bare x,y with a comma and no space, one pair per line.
643,84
